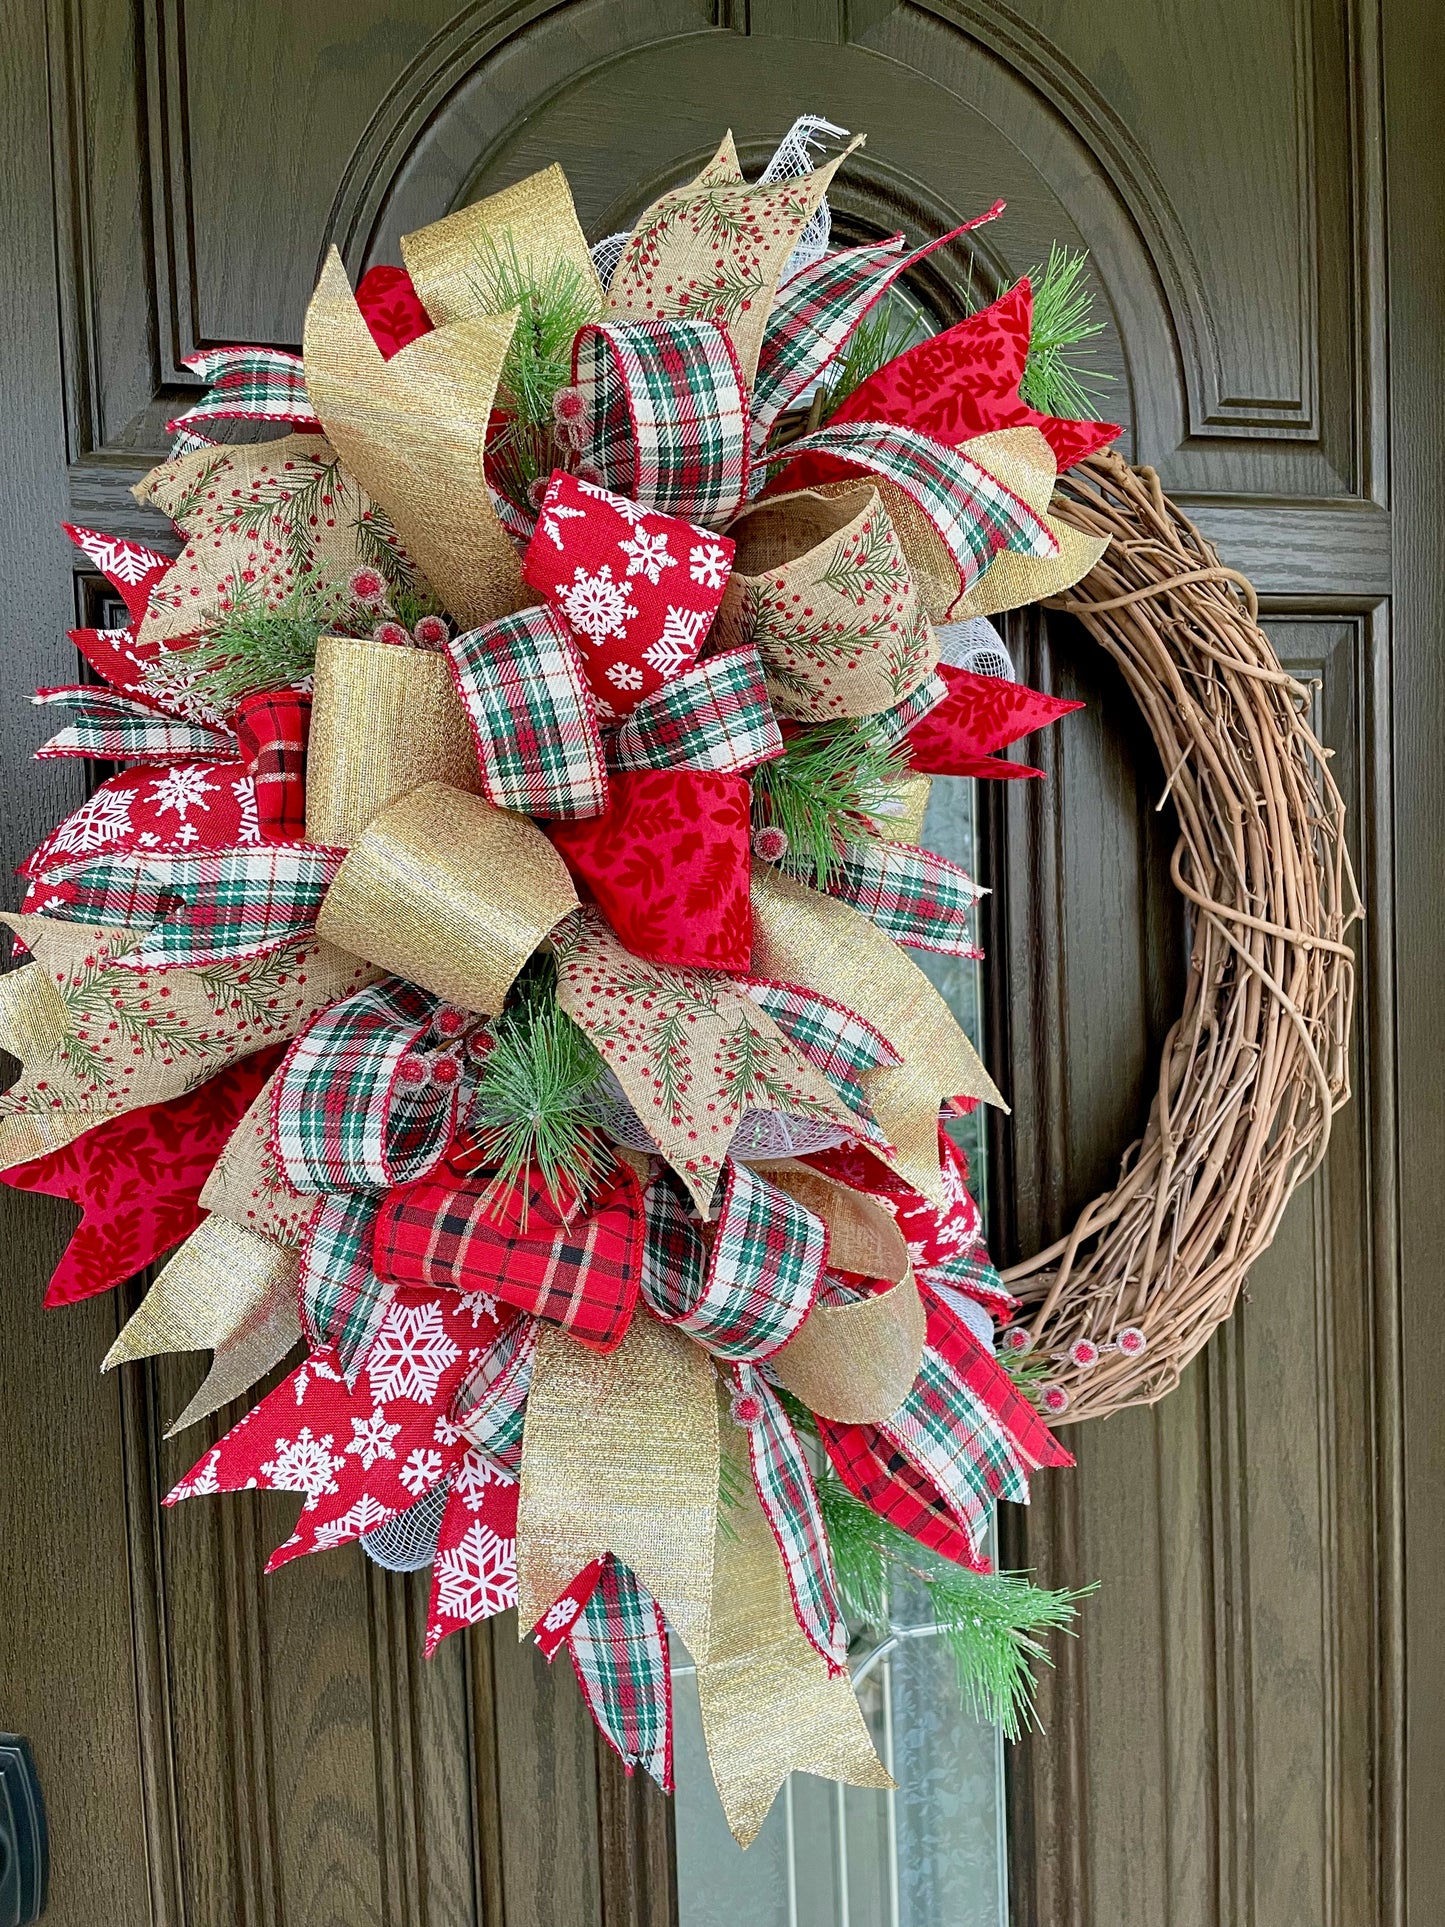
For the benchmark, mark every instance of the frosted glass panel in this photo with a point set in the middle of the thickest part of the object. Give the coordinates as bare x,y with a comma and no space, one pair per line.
932,1853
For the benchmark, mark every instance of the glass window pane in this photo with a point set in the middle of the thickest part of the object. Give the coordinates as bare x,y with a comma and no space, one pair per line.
932,1853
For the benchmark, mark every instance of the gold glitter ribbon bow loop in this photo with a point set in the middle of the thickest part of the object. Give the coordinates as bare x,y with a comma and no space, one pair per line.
450,893
384,720
623,1453
413,431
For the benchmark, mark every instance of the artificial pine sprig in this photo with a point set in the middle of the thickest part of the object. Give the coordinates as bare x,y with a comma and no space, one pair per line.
1063,318
889,329
991,1621
824,790
253,647
533,1093
553,303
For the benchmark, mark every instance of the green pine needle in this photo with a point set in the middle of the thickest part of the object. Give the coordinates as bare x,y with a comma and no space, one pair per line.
553,303
824,789
1054,381
255,648
889,329
992,1622
531,1106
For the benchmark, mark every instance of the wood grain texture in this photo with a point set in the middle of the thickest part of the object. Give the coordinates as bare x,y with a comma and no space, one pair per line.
1227,1741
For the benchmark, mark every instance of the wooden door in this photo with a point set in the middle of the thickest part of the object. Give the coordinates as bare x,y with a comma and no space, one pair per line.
1236,1737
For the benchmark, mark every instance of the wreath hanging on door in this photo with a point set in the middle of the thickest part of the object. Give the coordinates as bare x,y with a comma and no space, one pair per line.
488,968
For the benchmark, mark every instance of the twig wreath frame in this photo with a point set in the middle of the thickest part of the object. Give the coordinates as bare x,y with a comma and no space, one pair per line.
1257,1062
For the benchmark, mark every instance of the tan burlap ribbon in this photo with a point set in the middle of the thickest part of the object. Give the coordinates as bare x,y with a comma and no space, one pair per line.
412,430
715,249
226,1289
97,1040
622,1454
822,588
384,720
450,893
863,1235
803,937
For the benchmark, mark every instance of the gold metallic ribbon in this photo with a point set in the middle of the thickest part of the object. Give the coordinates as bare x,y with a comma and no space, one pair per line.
907,804
1022,460
226,1289
770,1707
384,720
449,892
535,220
863,1235
857,1363
620,1455
803,937
412,431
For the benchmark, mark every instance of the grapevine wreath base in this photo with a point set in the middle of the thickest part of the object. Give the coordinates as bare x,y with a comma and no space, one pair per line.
487,970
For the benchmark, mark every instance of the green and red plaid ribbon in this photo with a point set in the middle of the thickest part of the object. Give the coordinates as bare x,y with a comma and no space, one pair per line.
532,715
916,896
216,907
618,1644
963,1438
492,1405
761,1276
667,421
816,312
889,727
789,1500
974,514
342,1300
715,716
344,1116
119,729
835,1040
243,384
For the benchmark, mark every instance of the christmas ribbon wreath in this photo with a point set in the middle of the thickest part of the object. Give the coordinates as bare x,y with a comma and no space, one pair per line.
489,968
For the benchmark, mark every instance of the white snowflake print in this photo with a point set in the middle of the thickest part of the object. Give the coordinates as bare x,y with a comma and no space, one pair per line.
104,819
707,564
359,1518
552,519
623,504
596,606
411,1352
648,554
371,1438
186,835
477,1577
180,788
245,789
122,561
479,1305
313,1368
677,645
447,1430
203,1480
625,675
561,1614
304,1464
474,1478
422,1469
